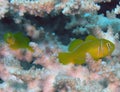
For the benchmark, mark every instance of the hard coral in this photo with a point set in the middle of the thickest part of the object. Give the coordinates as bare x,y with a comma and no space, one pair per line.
37,8
3,8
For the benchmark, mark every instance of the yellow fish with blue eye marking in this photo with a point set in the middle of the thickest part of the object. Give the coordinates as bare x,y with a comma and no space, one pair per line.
97,48
17,41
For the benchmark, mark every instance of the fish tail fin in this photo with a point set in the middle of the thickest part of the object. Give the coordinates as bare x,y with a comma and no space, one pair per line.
65,58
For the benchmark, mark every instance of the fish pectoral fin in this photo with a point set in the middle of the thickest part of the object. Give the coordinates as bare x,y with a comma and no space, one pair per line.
64,57
80,61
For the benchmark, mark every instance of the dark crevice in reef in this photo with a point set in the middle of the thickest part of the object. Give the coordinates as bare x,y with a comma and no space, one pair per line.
1,81
107,6
9,24
27,65
104,83
50,23
53,24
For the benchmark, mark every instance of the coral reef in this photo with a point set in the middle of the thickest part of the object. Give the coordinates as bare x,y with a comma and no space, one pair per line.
51,25
3,8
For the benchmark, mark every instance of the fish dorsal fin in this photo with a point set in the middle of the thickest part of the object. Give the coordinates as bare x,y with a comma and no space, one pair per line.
74,44
19,36
90,37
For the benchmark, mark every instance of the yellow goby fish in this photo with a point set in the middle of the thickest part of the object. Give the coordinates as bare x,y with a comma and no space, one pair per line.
97,48
17,41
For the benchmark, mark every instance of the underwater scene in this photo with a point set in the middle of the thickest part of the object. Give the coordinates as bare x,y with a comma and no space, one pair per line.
59,46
